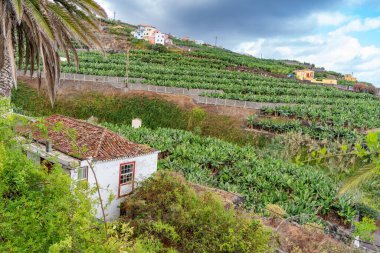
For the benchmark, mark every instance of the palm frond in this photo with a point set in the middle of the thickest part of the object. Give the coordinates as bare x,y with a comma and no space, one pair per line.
359,178
39,30
18,9
92,6
36,14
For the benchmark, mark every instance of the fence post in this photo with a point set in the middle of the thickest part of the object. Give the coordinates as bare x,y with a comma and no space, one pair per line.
245,104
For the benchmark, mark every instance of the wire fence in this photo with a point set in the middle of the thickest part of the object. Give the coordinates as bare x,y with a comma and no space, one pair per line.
195,94
136,84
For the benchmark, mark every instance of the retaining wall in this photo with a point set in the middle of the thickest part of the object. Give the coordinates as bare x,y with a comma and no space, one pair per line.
195,94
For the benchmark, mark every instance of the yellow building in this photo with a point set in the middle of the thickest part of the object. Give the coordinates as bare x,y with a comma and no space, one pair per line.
304,74
325,81
351,78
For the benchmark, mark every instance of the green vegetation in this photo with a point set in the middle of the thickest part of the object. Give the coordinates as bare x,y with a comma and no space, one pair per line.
166,210
341,119
314,129
346,83
154,112
55,25
365,229
298,189
334,112
43,211
46,212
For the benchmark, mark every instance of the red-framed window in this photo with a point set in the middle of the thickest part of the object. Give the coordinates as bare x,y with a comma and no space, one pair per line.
127,173
126,177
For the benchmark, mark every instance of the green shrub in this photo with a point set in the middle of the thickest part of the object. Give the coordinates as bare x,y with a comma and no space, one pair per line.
365,229
168,210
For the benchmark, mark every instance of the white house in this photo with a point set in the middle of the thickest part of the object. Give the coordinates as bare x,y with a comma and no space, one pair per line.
152,35
143,31
119,164
159,38
199,42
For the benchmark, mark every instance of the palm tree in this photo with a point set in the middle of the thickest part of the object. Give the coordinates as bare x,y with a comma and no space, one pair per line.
38,30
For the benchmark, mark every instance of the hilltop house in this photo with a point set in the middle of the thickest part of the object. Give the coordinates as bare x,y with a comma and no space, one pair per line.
159,38
119,164
351,78
304,74
143,31
308,75
152,35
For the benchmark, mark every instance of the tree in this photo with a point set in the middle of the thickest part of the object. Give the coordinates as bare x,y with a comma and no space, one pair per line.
38,30
43,211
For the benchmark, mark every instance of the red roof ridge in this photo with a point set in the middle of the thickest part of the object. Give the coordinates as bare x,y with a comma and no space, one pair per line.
101,144
101,141
77,120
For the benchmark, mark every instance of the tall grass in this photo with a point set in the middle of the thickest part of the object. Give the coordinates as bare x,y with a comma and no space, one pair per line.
154,112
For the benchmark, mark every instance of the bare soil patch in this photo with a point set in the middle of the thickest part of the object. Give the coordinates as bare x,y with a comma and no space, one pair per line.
261,132
241,113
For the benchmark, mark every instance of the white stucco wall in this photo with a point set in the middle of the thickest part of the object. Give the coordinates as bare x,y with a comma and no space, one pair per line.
108,178
159,38
107,173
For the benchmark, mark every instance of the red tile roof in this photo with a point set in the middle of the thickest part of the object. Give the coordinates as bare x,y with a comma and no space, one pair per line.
93,141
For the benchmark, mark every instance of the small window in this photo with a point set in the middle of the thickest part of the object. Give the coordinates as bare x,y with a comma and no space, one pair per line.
83,173
126,173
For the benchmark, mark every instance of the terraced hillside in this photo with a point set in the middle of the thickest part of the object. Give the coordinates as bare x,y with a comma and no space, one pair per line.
320,111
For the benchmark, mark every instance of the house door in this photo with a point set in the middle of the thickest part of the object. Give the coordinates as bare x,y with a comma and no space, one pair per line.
126,179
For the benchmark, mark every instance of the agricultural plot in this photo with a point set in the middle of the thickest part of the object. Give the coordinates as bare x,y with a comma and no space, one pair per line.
330,112
210,161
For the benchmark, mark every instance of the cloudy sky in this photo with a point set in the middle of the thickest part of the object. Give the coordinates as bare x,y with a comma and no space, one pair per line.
340,35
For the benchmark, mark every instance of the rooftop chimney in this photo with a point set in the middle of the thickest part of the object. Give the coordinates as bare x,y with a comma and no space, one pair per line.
136,123
48,146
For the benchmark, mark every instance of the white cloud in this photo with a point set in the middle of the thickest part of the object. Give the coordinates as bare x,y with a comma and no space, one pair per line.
106,6
360,25
330,18
338,52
